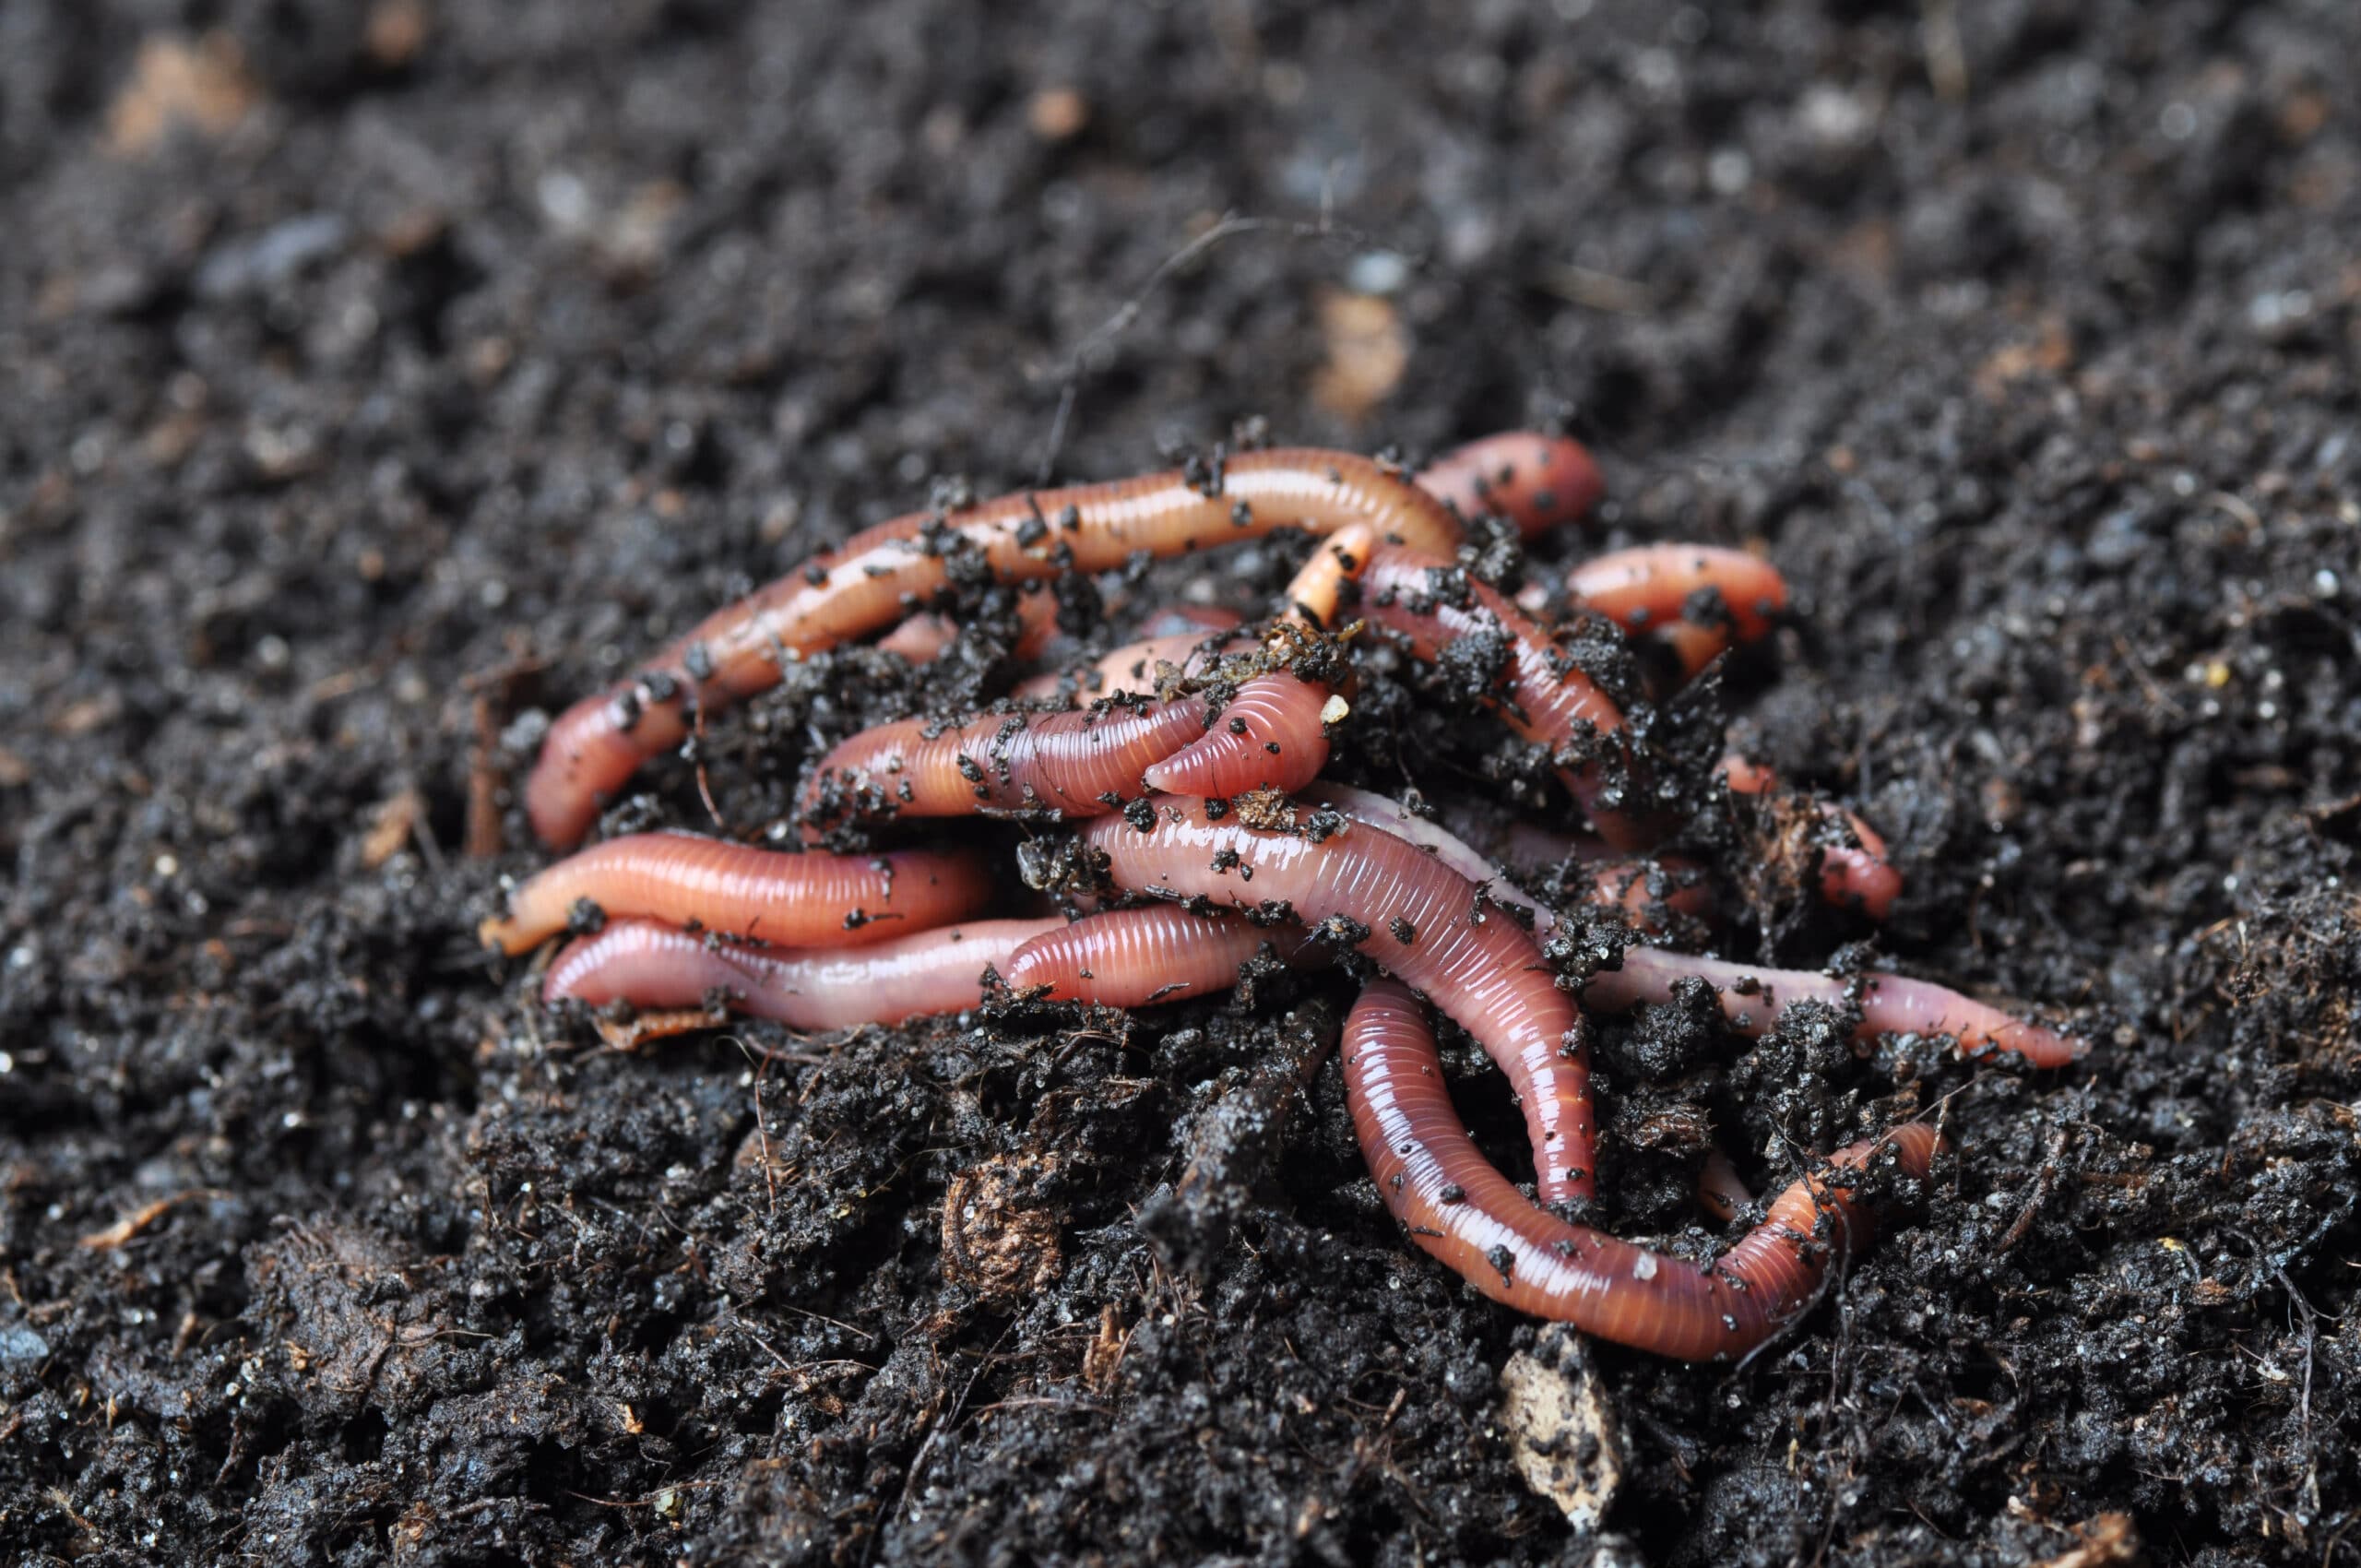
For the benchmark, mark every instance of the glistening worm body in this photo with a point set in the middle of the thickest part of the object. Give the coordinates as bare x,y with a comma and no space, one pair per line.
1423,921
1648,588
810,900
1541,693
1537,481
1614,880
880,575
653,966
1136,957
1853,868
1751,996
1460,1209
1083,763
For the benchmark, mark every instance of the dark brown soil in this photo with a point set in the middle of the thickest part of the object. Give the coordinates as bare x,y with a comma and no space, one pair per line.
376,376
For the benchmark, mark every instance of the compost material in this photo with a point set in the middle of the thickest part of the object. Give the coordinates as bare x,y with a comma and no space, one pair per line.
377,378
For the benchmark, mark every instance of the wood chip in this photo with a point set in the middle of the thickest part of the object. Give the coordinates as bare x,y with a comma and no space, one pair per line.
1368,351
202,86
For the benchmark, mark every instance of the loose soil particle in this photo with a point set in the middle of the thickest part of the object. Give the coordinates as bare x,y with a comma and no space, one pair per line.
379,375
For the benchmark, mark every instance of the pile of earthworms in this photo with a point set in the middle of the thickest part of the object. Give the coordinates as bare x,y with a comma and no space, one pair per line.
1188,767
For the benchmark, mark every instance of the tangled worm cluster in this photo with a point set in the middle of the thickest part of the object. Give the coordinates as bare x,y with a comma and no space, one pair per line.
1188,764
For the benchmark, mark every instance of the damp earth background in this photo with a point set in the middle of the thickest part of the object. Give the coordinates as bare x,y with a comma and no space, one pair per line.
378,375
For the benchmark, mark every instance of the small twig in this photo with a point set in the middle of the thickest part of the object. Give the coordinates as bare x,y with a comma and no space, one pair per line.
1231,226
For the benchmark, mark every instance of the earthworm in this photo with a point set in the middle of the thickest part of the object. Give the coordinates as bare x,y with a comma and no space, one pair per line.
1648,589
1271,718
1541,693
1083,763
1420,918
922,638
1461,1211
1132,668
882,573
1192,646
1722,1191
1319,591
653,966
807,899
1135,957
1852,870
1537,481
1271,736
1751,996
1614,879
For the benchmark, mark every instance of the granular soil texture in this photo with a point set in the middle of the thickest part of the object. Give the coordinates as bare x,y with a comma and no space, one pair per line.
380,376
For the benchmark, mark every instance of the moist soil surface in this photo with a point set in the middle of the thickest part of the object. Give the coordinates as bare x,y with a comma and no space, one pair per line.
378,378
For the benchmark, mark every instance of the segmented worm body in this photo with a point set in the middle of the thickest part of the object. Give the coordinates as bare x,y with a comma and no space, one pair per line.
1135,958
1420,918
1539,690
809,900
883,572
654,965
924,637
1083,763
1752,998
1537,481
1461,1210
1653,585
1853,870
1218,726
1636,885
1136,668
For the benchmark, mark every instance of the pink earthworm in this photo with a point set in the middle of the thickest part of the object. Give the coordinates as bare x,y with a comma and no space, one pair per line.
1751,995
807,899
1540,694
1647,590
883,572
1464,1213
1271,736
1853,871
1537,481
1273,717
923,637
1720,1189
1615,879
1136,957
1133,668
1083,763
1417,916
653,966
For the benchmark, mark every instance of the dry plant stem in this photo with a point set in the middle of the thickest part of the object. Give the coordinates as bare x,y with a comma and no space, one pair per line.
1461,1211
809,900
1420,919
653,966
883,573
